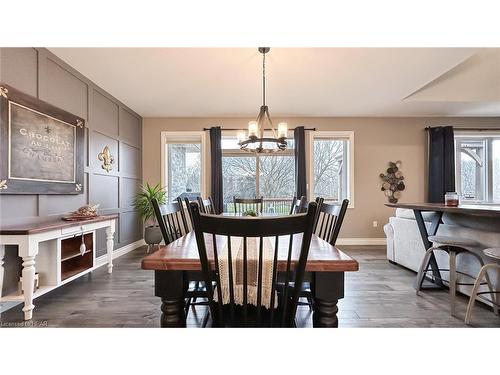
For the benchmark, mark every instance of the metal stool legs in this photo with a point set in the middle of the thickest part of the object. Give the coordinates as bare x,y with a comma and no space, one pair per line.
453,281
482,273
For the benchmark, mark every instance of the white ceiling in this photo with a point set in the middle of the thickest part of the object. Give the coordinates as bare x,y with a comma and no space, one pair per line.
226,82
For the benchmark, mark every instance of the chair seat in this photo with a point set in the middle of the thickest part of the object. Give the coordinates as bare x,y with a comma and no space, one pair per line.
454,241
492,252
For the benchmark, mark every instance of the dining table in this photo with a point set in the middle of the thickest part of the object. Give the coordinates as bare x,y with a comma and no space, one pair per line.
177,263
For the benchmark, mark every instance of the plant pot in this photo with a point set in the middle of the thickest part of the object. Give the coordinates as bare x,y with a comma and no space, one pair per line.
152,235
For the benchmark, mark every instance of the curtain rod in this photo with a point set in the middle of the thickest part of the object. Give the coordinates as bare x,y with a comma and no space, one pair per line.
313,129
465,128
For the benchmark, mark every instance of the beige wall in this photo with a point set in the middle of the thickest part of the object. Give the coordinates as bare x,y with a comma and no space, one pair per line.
376,141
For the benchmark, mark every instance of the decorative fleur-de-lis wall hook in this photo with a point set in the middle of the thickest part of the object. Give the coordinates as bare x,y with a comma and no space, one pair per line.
106,158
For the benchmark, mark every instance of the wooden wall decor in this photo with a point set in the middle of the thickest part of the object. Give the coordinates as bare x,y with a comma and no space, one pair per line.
41,146
393,182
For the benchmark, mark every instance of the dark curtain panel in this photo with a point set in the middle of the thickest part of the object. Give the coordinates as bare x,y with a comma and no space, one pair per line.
300,161
441,162
216,166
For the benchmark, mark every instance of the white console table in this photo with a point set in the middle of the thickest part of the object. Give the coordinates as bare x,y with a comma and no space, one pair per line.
39,246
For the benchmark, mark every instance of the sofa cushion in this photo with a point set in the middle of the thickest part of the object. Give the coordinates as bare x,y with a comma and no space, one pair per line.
406,213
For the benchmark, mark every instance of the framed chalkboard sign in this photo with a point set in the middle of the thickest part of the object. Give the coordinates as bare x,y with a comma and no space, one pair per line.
41,146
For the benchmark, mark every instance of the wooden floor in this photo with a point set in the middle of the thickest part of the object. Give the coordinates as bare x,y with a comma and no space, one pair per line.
379,295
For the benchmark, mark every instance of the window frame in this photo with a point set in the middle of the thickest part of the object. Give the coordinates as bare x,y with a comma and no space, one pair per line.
334,135
487,137
186,137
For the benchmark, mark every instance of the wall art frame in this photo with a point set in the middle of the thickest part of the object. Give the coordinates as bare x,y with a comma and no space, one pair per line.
41,146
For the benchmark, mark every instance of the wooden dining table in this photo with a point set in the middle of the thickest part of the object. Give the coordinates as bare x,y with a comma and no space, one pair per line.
177,263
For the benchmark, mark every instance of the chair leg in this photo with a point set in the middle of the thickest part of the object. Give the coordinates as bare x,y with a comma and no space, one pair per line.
205,319
473,295
423,268
492,294
453,281
186,307
310,302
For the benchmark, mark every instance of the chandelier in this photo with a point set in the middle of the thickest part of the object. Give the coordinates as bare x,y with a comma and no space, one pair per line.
255,140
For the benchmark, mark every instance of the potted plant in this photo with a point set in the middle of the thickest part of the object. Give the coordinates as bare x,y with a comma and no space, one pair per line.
142,203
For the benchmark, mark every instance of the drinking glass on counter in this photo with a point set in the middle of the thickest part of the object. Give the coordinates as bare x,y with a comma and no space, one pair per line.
451,199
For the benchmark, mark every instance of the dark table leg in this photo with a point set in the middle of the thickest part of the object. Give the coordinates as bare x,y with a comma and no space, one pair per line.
169,286
427,244
327,288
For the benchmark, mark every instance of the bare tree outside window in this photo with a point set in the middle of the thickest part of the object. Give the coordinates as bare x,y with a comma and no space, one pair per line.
329,168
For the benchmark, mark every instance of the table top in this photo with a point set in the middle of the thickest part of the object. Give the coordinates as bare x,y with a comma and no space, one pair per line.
182,255
25,229
470,209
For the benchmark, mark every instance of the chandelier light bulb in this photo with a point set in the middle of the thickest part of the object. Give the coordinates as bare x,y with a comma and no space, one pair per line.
253,129
282,130
241,135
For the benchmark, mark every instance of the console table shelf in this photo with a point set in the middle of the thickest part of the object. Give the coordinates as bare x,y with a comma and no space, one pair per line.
52,250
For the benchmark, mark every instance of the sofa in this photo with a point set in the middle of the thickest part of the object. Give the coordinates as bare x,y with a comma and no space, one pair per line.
405,247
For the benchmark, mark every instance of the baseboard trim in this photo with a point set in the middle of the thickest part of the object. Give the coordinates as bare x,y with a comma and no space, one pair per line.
103,259
361,241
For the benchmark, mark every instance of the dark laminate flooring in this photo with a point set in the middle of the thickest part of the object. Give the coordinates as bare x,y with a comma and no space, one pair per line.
379,295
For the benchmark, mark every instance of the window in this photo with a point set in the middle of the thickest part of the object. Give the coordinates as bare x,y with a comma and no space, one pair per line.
248,175
182,164
331,165
477,167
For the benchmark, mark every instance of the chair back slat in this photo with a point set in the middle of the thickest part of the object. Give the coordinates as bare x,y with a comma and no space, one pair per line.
231,279
299,206
217,275
329,220
222,229
244,204
206,205
169,218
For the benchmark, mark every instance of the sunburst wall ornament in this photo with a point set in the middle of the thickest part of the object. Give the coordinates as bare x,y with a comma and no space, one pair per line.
393,182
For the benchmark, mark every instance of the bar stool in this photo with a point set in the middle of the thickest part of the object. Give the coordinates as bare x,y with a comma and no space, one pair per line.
453,246
493,253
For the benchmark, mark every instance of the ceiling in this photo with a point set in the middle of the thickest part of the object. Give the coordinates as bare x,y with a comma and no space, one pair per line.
226,82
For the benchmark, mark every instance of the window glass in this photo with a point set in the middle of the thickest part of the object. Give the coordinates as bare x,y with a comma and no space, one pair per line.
330,169
496,170
238,178
184,170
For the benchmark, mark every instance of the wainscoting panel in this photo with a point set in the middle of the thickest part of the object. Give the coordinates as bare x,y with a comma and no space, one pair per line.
104,114
104,190
19,69
130,128
128,188
130,160
130,226
64,90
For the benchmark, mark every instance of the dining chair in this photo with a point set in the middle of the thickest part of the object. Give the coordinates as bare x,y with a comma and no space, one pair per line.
329,220
298,206
168,219
220,230
206,205
171,219
244,204
331,217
